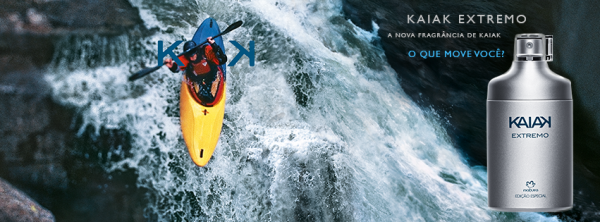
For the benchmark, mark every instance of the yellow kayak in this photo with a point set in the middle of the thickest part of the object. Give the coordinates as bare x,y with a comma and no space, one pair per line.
201,125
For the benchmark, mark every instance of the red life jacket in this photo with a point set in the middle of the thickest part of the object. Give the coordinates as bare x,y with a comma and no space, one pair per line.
206,55
203,66
205,69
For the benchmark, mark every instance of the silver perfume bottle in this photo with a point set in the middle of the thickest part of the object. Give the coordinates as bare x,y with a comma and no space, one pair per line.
530,132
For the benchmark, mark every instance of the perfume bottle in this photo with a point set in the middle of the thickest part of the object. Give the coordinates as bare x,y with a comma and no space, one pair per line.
530,132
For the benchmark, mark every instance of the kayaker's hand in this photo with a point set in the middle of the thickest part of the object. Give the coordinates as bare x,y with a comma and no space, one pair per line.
210,40
168,62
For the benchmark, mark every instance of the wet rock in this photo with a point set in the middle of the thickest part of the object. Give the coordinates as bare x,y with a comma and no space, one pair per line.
13,23
17,206
38,21
63,17
38,154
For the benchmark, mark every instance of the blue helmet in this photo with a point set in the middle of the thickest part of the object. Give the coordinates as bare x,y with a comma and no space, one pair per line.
187,46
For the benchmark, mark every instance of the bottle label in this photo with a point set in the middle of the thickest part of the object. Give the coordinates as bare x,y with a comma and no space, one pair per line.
530,153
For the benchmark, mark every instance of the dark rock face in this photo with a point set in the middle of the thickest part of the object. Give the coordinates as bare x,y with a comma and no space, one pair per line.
576,58
456,88
32,145
17,206
39,152
41,16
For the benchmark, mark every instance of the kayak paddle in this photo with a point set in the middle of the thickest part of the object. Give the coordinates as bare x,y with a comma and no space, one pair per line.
147,71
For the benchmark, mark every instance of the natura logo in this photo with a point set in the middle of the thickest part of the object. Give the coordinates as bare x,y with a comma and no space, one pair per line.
530,184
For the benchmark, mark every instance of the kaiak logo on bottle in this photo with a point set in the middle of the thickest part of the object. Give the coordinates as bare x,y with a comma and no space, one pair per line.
529,122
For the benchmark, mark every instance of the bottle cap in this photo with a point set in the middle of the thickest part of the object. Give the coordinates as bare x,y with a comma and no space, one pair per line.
533,47
529,77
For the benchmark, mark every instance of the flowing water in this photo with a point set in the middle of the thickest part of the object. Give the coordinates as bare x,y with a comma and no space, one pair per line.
318,130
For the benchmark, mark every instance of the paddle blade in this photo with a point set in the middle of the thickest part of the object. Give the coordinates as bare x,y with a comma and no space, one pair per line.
143,72
230,28
233,26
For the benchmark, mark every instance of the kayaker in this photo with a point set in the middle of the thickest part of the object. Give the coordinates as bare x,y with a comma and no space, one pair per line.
205,72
